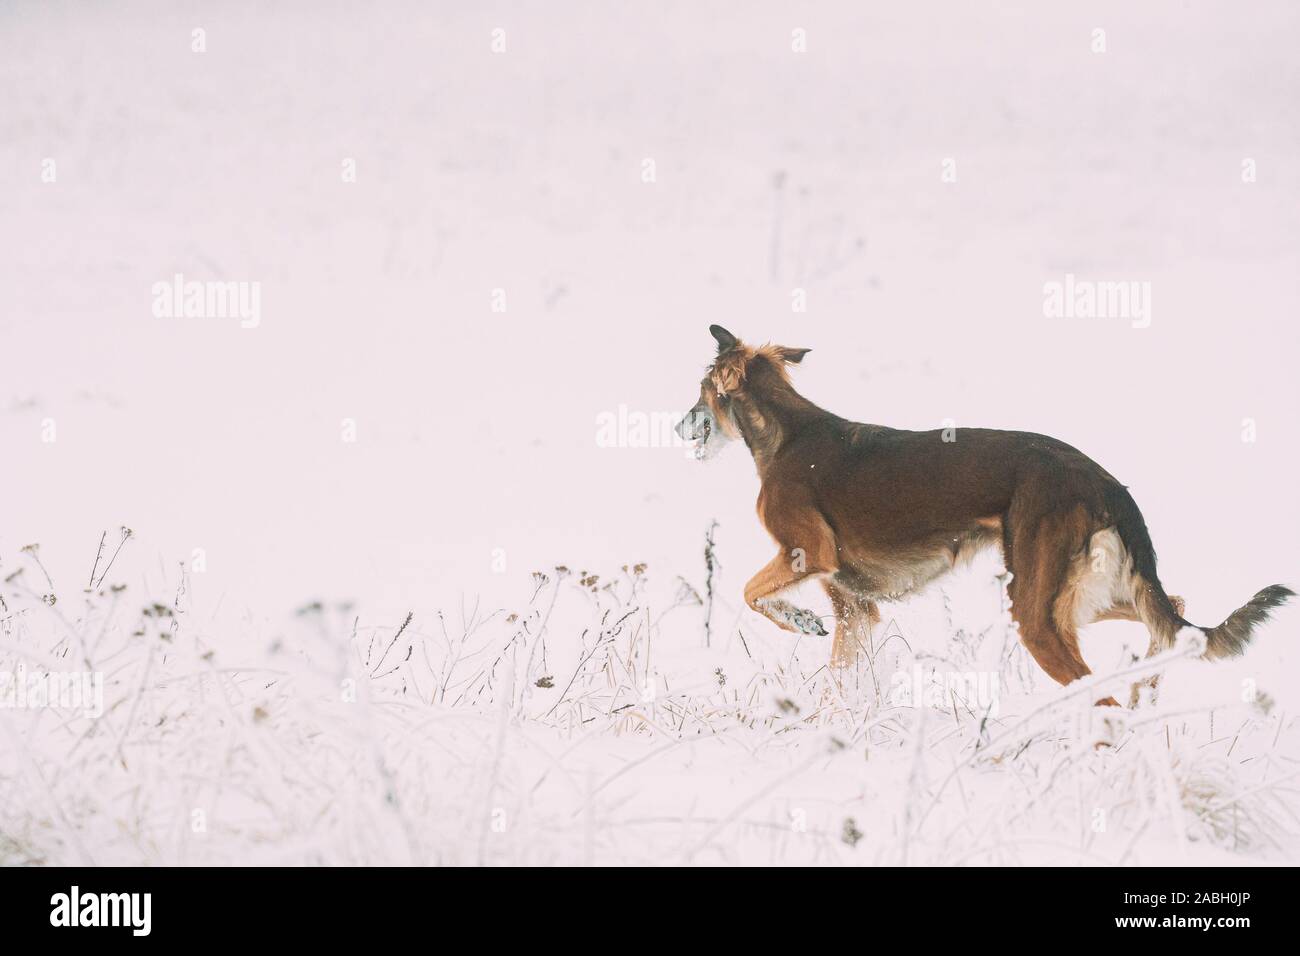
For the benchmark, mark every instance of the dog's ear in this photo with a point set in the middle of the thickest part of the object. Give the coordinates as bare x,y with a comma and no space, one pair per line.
726,341
793,356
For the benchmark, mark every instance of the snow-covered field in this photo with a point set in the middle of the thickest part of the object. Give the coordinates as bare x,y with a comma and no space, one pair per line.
414,426
598,722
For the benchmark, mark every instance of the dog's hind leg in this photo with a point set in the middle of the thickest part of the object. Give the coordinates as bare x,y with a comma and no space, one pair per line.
1160,638
1039,553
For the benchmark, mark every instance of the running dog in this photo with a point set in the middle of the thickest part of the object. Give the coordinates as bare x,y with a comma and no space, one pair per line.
876,513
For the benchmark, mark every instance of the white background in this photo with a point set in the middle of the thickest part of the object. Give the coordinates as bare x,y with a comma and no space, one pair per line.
522,171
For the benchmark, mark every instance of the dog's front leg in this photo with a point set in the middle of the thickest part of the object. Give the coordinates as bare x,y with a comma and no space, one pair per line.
761,593
855,617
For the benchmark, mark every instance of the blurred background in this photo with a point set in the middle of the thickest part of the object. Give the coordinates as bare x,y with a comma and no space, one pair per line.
519,175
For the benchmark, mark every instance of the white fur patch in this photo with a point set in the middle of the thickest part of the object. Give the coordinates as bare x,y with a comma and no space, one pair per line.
1099,579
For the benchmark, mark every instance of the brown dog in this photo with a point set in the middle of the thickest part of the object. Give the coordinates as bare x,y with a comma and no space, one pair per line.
875,513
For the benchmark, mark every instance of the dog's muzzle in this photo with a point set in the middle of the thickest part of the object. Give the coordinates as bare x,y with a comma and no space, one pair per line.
697,425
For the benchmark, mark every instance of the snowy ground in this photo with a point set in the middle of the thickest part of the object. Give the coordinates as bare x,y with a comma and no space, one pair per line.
478,461
593,724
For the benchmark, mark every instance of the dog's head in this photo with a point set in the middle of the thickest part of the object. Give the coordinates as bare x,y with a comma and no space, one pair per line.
711,423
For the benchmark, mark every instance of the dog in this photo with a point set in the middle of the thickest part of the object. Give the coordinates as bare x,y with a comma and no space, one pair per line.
877,513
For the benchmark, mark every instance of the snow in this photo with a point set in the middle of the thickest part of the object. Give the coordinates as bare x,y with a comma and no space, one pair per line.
780,178
593,725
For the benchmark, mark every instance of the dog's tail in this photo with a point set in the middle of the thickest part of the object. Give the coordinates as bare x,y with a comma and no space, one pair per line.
1230,638
1165,620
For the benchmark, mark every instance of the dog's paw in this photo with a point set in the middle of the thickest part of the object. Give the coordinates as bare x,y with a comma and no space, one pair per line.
790,618
807,622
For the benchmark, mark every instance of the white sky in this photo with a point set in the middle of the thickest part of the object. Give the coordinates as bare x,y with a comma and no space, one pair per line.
522,171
